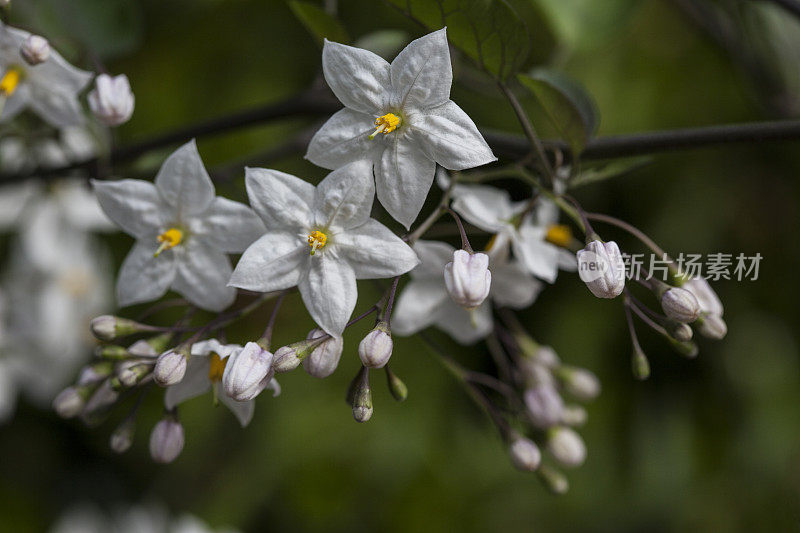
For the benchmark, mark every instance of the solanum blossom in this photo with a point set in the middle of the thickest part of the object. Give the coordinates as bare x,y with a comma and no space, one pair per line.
425,302
183,233
50,89
320,239
398,116
204,372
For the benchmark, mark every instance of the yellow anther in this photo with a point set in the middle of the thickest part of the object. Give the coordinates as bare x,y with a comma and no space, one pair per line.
169,239
560,235
10,81
216,367
316,239
385,124
491,242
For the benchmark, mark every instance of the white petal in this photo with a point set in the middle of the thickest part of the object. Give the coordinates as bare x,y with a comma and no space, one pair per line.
243,411
433,256
202,275
451,138
16,103
375,252
417,306
488,208
272,263
513,286
403,177
183,181
329,292
281,200
194,383
344,138
144,278
208,346
81,206
465,327
228,226
358,78
539,256
58,108
344,198
14,199
134,205
421,72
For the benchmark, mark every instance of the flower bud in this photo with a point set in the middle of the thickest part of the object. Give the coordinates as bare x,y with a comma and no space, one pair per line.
544,405
289,357
35,49
70,402
111,100
166,440
680,305
323,360
98,404
170,367
574,415
247,372
554,480
706,297
525,455
152,347
375,348
132,372
111,352
686,349
94,373
713,327
122,437
359,396
566,446
108,328
680,331
580,382
396,386
601,267
640,365
467,278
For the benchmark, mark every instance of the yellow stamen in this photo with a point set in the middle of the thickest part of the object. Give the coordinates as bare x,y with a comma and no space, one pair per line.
491,242
559,234
216,368
385,124
316,239
169,239
10,81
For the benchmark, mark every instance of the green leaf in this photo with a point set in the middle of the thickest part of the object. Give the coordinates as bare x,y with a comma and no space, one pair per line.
320,24
608,169
567,106
494,33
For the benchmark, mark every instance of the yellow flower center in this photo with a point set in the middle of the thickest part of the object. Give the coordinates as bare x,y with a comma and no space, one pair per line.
385,124
169,239
316,239
216,368
559,234
10,81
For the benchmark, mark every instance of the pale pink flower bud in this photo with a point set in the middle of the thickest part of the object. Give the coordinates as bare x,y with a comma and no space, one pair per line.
468,279
247,372
525,455
323,360
111,100
166,440
35,50
375,348
680,305
170,368
601,267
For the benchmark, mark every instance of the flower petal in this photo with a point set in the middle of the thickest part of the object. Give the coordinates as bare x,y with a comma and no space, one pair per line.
144,278
16,103
228,226
417,306
81,207
538,256
451,138
422,73
183,181
194,383
283,201
134,205
59,108
488,208
359,78
329,292
403,177
433,256
202,275
243,411
272,263
344,138
465,327
375,252
513,286
344,198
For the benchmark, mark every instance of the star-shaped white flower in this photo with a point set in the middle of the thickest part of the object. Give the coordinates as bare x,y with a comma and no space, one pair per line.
204,372
425,302
50,89
532,234
321,239
183,233
417,123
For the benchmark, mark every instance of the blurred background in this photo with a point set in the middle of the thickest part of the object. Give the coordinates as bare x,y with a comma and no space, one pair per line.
708,444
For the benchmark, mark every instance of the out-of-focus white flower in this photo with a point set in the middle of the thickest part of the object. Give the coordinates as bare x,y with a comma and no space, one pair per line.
321,239
166,440
424,301
566,446
544,405
24,153
468,278
183,233
112,100
579,382
323,359
35,49
525,455
601,267
400,118
49,89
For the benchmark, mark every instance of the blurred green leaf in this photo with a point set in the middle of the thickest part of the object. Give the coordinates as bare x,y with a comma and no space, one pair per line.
320,24
492,32
608,169
385,43
568,107
543,40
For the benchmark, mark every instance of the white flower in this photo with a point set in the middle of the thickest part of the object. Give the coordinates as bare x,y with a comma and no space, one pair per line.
424,301
112,100
320,239
417,123
537,240
150,518
468,278
19,153
49,89
204,372
182,232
